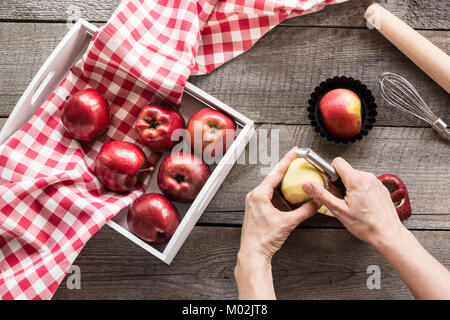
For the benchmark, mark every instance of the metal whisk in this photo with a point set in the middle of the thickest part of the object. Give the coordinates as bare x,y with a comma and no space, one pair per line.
398,92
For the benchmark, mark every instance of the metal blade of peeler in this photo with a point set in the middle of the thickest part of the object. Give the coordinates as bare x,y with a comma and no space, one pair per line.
322,165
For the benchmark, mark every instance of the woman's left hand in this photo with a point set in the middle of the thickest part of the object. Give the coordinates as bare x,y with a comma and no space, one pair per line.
266,228
264,231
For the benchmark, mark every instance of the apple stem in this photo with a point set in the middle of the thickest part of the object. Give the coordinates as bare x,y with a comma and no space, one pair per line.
149,169
153,123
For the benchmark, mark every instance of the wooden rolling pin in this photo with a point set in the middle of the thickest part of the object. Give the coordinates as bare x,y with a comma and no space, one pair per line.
432,60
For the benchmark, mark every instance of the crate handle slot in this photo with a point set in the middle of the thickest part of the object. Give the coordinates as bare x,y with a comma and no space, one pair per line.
42,87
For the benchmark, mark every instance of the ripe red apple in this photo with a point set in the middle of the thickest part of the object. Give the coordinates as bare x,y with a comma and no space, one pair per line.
211,130
182,175
153,218
399,194
86,115
121,166
155,125
341,113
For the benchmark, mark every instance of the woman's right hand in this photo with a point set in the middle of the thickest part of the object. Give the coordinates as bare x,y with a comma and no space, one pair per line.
366,211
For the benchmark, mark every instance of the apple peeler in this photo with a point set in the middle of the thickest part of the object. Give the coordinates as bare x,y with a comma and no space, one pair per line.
323,166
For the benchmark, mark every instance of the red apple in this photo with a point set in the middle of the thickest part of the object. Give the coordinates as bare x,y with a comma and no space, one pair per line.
121,166
182,175
341,113
85,115
155,125
212,130
399,194
153,218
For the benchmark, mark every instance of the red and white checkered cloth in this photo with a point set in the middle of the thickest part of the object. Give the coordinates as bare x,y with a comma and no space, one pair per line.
50,200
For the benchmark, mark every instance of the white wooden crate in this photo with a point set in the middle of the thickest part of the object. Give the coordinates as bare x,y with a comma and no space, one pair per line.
68,51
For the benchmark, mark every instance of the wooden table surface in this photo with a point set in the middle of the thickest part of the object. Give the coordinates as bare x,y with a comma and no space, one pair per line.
270,84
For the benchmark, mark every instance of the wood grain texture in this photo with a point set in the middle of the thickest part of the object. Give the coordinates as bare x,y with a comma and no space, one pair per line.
24,48
417,155
424,14
314,264
415,222
57,10
271,83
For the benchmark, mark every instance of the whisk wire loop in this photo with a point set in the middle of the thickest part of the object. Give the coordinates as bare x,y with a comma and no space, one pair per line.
401,94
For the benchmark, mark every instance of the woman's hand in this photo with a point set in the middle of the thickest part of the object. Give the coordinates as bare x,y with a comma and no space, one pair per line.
366,211
264,231
266,228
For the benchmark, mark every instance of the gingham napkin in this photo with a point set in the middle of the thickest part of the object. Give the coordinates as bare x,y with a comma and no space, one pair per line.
50,201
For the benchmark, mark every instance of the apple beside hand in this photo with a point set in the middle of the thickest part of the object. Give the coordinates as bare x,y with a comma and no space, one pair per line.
399,194
156,125
341,113
153,218
182,175
121,166
210,130
86,115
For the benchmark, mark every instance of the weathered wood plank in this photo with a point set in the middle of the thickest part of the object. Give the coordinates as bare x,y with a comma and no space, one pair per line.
425,14
24,48
415,222
417,155
57,10
271,83
314,264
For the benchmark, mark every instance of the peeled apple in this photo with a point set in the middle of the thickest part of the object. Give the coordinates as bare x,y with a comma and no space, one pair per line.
299,172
